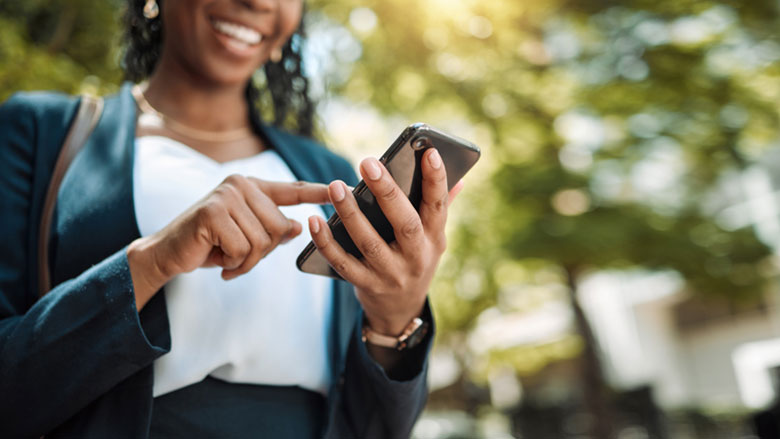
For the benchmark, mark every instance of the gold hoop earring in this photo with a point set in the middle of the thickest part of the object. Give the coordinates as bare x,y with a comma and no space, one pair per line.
151,9
276,54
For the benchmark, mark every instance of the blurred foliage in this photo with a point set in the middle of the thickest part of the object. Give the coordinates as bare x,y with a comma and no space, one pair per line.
71,46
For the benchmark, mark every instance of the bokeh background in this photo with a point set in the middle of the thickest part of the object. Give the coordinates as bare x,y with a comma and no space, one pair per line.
613,261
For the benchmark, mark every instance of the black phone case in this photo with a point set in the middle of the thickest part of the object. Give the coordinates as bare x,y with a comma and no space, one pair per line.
402,161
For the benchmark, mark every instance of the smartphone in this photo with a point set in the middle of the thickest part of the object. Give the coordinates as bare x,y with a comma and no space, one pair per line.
402,161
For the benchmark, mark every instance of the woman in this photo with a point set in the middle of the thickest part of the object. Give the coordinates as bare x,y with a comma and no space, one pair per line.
139,337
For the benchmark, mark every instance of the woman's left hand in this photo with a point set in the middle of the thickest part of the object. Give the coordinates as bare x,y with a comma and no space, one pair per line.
391,280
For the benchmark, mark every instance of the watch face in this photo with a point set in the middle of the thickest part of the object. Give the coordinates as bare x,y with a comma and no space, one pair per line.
416,337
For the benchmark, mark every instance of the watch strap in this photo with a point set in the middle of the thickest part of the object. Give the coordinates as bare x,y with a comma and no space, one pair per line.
410,337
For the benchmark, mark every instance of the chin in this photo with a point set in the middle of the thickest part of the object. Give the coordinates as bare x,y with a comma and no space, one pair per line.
230,77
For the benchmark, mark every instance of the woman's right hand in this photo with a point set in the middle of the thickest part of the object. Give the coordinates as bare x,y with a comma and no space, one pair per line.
234,226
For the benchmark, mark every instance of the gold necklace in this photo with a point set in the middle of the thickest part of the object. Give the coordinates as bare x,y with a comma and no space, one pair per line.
184,130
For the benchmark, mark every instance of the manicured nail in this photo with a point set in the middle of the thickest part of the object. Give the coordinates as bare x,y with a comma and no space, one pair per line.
314,225
434,159
372,169
337,190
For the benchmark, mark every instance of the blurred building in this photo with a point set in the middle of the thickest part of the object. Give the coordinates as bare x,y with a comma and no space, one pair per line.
714,355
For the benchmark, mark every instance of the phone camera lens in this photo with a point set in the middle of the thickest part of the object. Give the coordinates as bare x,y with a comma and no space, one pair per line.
420,143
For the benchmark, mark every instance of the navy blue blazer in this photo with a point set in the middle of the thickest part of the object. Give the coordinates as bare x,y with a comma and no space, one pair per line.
79,361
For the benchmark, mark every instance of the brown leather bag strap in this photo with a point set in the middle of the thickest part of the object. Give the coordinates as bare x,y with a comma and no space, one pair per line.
83,124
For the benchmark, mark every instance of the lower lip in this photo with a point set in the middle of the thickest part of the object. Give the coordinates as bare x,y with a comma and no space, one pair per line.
236,47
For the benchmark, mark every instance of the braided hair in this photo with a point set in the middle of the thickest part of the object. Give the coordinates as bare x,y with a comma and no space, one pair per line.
279,91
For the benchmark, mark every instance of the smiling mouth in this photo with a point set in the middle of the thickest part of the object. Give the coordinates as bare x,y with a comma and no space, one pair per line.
238,33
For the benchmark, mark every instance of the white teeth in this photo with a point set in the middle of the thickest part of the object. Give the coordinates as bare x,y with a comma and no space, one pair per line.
241,33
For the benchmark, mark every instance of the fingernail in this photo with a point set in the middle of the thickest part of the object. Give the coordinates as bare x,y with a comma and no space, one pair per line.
372,169
337,191
434,159
314,225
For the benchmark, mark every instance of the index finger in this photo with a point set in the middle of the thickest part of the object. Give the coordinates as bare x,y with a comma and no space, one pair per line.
289,194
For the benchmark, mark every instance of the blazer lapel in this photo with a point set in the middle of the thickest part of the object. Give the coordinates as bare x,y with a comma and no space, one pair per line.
94,216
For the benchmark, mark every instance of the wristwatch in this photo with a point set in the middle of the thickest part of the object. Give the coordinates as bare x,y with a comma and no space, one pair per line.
411,336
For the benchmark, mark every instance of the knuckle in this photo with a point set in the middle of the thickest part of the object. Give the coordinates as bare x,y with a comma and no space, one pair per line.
368,291
259,241
233,190
395,284
371,248
389,193
209,209
255,183
277,234
348,214
438,176
234,179
279,227
243,248
416,270
341,267
323,245
264,241
322,240
229,192
439,205
253,238
411,228
231,263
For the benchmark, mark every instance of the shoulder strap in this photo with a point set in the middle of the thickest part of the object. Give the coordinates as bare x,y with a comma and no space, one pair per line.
80,129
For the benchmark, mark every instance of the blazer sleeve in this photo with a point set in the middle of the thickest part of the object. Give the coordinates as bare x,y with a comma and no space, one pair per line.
377,405
374,404
85,336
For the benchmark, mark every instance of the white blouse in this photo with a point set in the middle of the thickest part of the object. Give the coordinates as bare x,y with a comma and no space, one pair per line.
269,326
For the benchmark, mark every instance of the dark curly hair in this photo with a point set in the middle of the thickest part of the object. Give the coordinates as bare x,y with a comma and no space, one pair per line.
279,91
